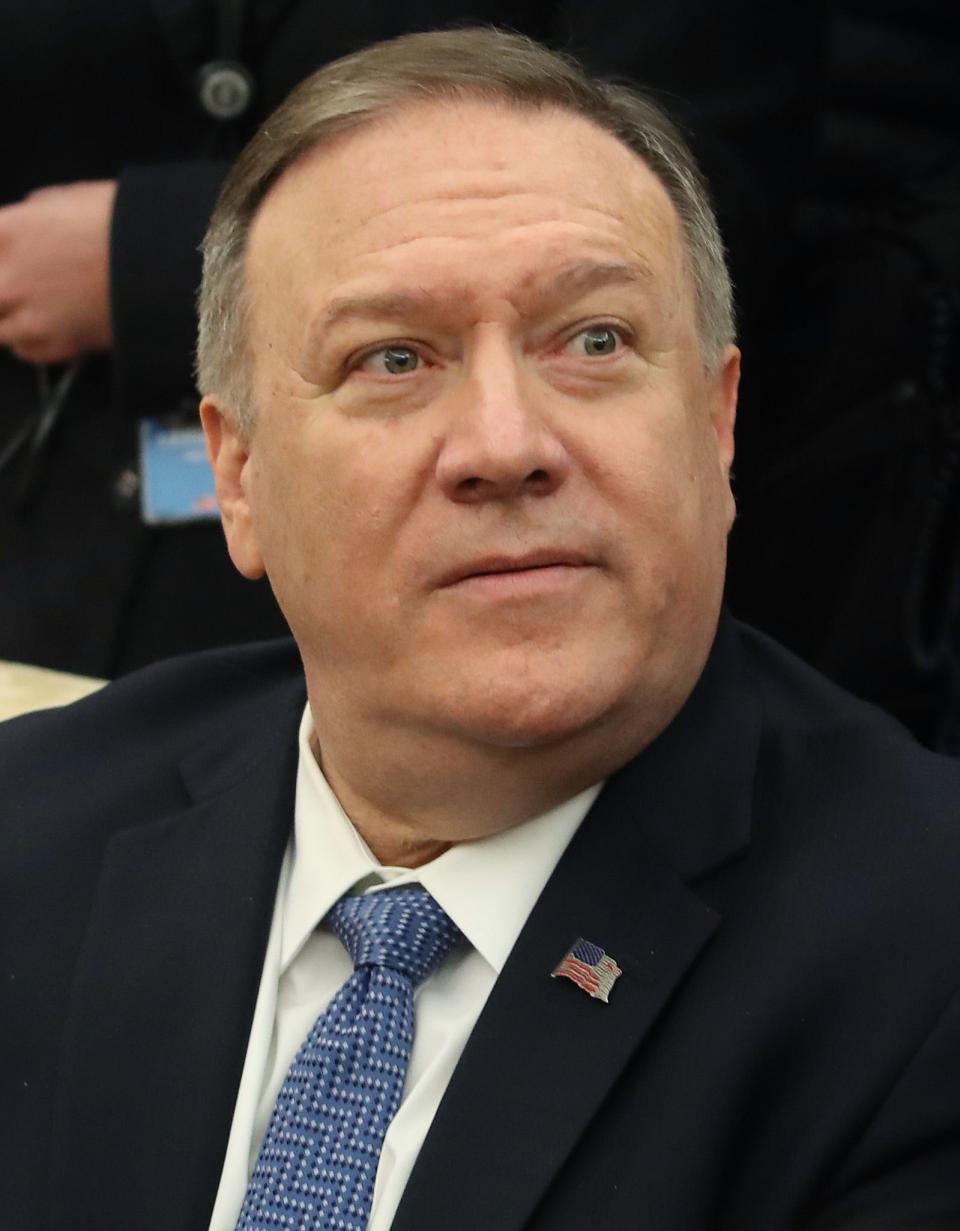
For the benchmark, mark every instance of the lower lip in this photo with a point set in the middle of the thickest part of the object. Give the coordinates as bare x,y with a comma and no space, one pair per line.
522,583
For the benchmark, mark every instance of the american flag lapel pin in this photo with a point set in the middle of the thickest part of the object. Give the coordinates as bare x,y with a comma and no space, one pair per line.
590,968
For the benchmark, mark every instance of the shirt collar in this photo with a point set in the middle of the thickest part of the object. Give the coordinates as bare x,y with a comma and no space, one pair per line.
487,886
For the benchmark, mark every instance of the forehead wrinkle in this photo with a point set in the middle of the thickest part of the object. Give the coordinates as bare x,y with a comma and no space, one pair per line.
579,279
531,296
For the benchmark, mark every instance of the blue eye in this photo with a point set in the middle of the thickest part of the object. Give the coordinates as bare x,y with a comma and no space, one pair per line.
394,360
596,340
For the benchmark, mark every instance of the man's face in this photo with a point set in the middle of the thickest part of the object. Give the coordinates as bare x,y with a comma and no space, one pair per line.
489,475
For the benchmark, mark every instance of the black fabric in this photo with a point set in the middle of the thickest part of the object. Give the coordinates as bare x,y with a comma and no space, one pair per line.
776,875
153,283
848,544
848,478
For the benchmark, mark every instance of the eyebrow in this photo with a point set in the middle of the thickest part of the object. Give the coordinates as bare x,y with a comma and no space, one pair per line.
576,279
380,307
587,276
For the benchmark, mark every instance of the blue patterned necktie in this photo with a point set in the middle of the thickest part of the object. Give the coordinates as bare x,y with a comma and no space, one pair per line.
318,1161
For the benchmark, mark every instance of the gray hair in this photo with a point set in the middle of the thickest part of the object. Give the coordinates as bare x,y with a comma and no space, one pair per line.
485,64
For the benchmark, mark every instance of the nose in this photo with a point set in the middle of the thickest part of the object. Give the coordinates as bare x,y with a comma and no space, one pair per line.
498,443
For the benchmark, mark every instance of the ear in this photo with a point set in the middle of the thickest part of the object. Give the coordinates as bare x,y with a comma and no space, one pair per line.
723,405
723,414
228,450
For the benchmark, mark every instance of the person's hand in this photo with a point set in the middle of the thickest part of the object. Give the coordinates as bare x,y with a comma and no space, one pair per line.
54,272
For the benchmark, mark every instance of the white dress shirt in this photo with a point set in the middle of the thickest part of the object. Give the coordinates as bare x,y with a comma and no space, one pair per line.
488,888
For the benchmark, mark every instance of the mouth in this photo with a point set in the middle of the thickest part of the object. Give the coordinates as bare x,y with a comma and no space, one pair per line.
550,561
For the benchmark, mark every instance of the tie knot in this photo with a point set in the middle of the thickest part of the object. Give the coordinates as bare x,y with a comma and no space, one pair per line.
404,929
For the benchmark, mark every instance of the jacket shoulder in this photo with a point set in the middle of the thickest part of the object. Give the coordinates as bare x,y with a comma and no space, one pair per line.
844,791
122,747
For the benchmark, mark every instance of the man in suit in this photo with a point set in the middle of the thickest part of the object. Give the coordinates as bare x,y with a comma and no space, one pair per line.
469,388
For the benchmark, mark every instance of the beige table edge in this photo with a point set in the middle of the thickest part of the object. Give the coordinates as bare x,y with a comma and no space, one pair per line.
24,688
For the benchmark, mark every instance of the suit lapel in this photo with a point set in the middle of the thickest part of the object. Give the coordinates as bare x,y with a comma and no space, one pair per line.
544,1055
156,1033
179,927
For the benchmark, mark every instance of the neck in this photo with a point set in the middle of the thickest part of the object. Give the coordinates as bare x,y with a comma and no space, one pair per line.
422,793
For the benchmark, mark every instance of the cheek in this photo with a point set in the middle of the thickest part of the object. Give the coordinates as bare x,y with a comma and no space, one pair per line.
329,505
667,494
709,485
650,476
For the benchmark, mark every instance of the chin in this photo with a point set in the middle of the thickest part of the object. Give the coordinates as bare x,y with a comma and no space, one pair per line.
522,711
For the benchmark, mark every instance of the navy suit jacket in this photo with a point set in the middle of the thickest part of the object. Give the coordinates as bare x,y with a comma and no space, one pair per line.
778,875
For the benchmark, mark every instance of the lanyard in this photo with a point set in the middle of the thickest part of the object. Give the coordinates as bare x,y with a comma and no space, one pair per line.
32,437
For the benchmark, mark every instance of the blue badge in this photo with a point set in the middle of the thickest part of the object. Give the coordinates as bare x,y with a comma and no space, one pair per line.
176,479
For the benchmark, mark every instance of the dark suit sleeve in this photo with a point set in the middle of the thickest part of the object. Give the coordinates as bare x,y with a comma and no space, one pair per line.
904,1174
159,219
